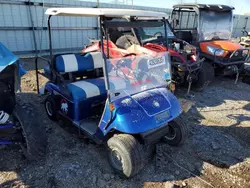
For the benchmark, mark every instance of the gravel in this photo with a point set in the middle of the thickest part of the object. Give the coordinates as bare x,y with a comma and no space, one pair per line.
216,153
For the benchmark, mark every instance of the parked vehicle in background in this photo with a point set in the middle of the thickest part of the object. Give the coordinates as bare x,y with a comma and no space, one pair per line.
209,28
245,40
186,66
18,120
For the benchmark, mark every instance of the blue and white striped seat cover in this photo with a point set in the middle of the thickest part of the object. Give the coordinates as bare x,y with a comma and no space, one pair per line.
74,63
88,88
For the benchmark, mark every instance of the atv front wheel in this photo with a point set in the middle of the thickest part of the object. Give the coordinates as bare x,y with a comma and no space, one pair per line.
178,132
35,139
204,77
125,155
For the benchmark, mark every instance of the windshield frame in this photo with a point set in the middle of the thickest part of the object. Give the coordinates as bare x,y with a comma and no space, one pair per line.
135,74
201,19
167,29
132,22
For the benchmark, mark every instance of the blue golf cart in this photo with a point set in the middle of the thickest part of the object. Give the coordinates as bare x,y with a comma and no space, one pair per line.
18,124
122,101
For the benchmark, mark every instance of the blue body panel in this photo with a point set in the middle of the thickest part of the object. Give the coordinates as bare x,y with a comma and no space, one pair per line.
78,108
132,115
7,58
5,142
6,127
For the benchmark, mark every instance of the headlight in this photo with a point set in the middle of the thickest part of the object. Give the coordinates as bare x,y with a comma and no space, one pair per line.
193,58
215,51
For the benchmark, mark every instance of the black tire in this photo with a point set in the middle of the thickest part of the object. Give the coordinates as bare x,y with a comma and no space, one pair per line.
50,107
246,79
178,132
149,152
35,138
125,155
126,41
204,77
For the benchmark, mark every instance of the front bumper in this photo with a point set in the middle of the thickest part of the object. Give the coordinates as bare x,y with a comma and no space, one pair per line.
239,56
189,66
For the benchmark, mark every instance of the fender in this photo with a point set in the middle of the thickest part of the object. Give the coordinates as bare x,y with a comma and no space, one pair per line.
133,116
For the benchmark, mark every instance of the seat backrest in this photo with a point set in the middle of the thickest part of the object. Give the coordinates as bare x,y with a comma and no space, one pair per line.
77,63
184,35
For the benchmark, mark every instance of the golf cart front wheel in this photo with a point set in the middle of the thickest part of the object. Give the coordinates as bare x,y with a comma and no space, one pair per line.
50,107
178,132
125,155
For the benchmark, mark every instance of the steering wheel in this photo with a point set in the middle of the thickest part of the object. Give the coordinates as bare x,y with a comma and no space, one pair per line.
158,34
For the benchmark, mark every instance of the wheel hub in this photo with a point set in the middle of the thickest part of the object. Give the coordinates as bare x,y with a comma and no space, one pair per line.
171,133
48,108
116,159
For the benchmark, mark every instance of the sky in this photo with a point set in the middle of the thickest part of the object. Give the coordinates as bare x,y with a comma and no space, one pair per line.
241,6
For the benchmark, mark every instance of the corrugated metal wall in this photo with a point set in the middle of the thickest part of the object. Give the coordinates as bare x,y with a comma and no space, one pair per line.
24,20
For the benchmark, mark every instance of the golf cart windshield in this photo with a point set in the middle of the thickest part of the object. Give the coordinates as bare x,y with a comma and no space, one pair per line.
215,25
134,74
148,34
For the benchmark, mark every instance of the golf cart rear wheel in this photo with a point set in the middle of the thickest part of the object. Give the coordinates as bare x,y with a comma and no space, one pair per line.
125,155
178,132
34,135
50,107
204,77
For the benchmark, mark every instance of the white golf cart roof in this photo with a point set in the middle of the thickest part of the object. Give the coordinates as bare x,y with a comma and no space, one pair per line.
108,12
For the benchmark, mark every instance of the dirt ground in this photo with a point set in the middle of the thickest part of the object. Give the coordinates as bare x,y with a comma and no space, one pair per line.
216,154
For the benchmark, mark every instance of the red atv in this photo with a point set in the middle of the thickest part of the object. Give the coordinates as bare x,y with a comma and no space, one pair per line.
128,66
186,66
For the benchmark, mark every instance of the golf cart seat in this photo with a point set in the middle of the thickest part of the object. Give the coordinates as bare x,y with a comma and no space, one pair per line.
76,63
81,89
88,87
